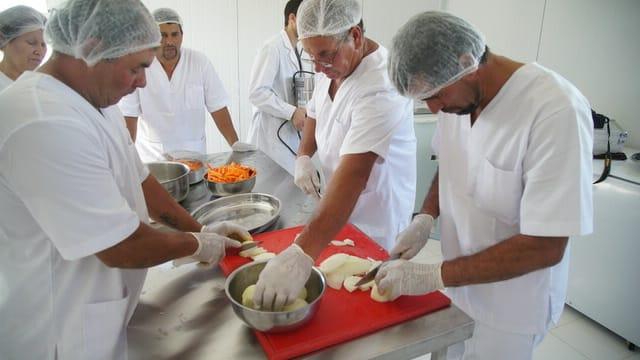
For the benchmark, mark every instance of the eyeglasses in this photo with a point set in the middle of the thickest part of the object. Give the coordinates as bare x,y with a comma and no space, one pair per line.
327,61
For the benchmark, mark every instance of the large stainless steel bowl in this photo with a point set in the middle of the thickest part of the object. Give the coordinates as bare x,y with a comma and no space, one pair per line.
225,189
174,177
272,321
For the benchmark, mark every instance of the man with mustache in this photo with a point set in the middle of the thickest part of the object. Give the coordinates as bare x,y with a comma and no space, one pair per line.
182,86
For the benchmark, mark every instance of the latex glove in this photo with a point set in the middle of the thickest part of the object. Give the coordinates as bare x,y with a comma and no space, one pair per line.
298,117
228,229
412,239
211,249
282,279
306,176
402,277
243,147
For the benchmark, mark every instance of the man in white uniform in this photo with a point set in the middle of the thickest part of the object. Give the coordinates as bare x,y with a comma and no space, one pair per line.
362,130
514,143
182,86
74,197
276,117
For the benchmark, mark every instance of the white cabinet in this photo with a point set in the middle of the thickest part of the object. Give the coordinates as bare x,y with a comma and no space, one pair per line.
604,266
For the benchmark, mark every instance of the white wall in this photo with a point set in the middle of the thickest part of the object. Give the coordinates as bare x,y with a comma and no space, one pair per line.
595,45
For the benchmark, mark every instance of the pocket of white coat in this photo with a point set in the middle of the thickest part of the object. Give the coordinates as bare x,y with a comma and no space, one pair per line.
104,334
194,97
499,192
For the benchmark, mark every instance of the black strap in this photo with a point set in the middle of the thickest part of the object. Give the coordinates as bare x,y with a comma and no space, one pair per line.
295,48
607,155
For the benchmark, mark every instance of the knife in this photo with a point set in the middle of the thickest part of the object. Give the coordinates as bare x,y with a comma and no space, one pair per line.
373,272
248,245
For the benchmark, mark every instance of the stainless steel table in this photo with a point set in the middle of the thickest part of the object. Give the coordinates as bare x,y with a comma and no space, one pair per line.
183,312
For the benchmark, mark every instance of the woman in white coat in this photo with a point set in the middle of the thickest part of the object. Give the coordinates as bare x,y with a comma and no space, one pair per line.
276,118
21,42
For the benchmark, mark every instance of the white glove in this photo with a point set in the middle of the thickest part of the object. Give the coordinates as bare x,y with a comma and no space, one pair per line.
282,279
402,277
228,229
412,239
211,249
243,147
306,176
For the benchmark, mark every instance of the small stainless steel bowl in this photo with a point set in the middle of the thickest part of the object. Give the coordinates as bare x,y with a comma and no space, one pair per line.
225,189
173,176
195,176
272,321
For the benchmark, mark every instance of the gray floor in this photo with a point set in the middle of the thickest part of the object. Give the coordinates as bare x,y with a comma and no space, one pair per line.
575,338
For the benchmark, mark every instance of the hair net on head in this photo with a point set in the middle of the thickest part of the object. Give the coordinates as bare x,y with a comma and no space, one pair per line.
95,30
327,17
19,20
166,16
431,51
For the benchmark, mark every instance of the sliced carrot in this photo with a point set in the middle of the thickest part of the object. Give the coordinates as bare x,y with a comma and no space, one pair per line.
230,173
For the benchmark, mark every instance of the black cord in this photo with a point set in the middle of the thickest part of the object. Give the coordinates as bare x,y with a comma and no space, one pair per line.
284,142
607,156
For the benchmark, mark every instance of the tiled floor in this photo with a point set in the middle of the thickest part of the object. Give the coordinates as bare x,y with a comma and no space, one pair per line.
575,338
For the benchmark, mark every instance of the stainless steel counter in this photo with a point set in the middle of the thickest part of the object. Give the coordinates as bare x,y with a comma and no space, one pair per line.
184,314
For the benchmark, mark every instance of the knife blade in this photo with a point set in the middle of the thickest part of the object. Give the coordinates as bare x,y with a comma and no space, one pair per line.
373,272
248,245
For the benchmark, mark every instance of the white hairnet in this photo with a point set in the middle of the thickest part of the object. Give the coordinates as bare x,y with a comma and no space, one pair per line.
431,51
95,30
166,16
326,17
19,20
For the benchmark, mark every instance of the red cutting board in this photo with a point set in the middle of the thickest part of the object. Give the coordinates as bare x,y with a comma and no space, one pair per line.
342,315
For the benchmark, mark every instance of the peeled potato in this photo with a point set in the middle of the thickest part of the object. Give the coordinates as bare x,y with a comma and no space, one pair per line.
333,262
367,286
350,283
303,294
247,296
295,305
335,279
254,251
375,295
263,256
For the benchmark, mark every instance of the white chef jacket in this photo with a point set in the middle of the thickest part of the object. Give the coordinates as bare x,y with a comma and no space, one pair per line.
172,113
368,115
4,81
524,167
69,187
272,96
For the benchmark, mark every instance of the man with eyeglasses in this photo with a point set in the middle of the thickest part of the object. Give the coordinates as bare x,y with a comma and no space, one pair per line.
514,143
362,131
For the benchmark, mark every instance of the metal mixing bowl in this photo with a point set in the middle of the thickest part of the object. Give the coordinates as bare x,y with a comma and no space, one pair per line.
195,176
173,176
224,189
271,321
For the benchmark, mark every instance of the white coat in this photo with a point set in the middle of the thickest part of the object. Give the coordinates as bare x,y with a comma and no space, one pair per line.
69,187
524,167
272,96
4,81
368,115
172,113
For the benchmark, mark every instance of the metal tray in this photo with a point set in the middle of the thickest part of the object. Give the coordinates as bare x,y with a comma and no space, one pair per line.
255,211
